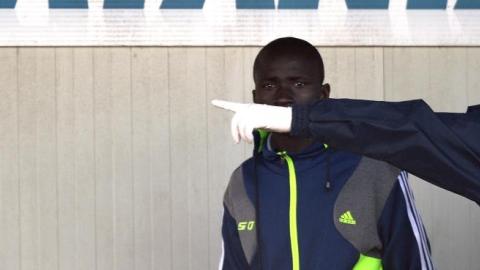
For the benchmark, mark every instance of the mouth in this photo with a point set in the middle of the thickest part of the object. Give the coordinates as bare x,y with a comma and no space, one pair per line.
284,103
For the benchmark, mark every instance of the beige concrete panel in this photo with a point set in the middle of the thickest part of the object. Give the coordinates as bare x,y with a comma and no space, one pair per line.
179,164
249,54
328,55
369,73
67,215
472,246
46,157
151,158
473,77
217,148
406,73
354,72
216,88
75,169
104,194
122,158
448,84
9,173
198,186
84,134
224,78
37,159
188,158
141,120
341,74
159,149
27,125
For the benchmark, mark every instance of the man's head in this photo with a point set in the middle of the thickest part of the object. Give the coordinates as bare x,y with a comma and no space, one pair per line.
289,70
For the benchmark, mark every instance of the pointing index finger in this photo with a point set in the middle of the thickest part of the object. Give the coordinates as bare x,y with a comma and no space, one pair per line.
227,105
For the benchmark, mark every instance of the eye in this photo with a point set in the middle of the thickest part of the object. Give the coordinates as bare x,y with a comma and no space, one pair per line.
299,84
268,86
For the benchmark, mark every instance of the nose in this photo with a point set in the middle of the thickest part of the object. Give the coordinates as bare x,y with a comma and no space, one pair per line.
284,96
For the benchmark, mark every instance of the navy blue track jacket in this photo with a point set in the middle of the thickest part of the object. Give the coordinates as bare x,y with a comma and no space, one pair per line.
441,148
321,209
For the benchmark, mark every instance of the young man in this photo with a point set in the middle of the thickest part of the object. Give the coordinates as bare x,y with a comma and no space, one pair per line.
300,204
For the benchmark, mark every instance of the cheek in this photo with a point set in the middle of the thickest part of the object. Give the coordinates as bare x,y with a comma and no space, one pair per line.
265,97
307,96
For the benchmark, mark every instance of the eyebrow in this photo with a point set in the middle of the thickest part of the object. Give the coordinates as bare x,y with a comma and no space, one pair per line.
294,77
297,77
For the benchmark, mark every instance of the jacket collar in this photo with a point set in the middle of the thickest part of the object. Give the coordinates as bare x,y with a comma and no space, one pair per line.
309,157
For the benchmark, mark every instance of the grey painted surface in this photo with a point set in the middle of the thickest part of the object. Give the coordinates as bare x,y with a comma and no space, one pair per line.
112,158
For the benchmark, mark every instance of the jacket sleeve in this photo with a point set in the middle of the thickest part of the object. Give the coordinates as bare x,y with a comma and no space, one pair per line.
405,242
232,257
441,148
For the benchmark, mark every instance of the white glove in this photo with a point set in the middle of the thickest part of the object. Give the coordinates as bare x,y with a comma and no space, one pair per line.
255,116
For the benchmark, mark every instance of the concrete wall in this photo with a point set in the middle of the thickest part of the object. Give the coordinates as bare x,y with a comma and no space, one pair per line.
112,158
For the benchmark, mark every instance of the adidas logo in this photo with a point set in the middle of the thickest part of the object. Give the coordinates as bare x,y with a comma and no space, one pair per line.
347,218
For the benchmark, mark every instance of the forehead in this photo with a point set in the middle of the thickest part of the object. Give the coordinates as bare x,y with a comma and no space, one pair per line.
288,65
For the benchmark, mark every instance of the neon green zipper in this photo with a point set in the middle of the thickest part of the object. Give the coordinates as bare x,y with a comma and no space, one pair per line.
292,179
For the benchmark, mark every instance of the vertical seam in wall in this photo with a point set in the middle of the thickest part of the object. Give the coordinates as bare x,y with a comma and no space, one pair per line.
56,154
75,186
206,160
37,193
150,131
170,156
467,77
245,52
112,165
132,176
132,209
189,181
94,158
355,71
18,166
470,206
383,74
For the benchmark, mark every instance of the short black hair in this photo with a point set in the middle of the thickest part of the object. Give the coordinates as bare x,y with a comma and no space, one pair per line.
290,46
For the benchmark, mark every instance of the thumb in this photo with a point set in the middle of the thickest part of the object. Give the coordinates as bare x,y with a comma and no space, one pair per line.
227,105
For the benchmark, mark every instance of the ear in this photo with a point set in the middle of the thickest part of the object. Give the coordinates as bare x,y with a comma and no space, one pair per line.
325,91
254,96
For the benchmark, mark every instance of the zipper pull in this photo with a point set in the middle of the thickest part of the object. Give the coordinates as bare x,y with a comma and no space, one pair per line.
282,155
328,185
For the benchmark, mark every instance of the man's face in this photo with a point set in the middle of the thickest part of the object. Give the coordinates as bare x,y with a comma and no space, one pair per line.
285,80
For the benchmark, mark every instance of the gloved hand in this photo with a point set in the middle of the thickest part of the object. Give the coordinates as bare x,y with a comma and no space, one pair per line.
249,116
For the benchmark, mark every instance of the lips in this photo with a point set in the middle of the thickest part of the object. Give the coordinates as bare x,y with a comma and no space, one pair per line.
284,103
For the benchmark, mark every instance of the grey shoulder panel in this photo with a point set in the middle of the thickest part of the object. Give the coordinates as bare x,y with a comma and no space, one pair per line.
242,209
361,202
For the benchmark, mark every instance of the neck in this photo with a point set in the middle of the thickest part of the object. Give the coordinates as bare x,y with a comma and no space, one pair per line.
285,142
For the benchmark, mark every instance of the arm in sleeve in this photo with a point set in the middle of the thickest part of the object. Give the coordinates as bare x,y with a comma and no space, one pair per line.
441,148
232,257
405,243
